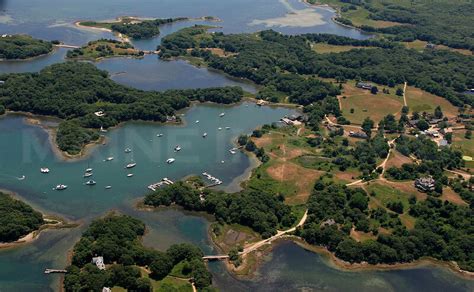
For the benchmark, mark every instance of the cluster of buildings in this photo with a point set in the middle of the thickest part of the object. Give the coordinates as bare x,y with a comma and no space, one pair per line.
293,120
435,133
425,184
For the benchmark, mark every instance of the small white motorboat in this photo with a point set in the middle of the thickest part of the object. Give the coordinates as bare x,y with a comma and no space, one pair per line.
90,182
128,150
109,158
197,121
108,187
130,175
177,148
170,160
159,135
204,135
44,170
88,174
131,165
221,115
232,151
60,187
219,128
227,128
88,169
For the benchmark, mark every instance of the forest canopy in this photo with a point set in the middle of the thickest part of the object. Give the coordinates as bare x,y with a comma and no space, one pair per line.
75,91
23,47
17,219
441,22
284,62
116,238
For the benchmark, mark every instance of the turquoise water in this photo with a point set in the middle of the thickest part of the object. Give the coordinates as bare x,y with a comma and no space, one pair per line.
150,152
24,149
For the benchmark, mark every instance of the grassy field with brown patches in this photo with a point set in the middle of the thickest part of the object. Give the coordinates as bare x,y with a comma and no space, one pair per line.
453,197
397,159
421,46
323,48
361,236
366,104
421,101
294,181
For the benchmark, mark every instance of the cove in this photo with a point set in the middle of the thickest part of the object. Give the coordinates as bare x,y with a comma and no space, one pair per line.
291,268
25,148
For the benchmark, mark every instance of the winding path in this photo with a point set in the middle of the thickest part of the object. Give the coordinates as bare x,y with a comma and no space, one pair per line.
404,94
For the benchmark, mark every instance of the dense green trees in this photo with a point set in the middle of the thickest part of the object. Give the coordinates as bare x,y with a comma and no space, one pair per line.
446,22
116,238
74,91
17,219
442,230
277,60
22,47
142,29
261,211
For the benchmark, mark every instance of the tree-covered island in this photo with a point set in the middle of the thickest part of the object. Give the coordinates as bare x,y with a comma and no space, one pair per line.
14,47
104,48
110,254
133,27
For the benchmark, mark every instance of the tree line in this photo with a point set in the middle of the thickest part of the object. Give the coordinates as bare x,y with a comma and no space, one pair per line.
144,29
18,219
23,47
446,22
74,91
442,230
262,212
116,239
285,62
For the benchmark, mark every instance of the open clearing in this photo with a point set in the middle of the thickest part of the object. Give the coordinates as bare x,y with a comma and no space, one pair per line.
366,104
282,173
323,48
397,159
422,101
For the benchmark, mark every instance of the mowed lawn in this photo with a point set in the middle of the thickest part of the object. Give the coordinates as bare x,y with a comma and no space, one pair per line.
466,146
366,104
421,101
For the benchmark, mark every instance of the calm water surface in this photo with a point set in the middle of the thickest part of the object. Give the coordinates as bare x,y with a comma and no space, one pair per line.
24,148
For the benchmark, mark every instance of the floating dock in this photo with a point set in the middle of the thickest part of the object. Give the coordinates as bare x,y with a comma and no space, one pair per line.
164,181
215,181
55,271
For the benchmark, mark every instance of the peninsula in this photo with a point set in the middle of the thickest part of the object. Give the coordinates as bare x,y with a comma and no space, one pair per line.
19,47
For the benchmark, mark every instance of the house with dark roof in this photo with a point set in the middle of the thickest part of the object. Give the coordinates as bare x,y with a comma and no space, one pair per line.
425,184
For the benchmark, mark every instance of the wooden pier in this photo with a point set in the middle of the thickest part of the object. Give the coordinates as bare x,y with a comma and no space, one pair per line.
164,181
215,181
215,257
54,271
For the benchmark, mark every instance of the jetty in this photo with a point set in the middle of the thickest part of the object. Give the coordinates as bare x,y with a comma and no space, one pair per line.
164,181
215,181
54,271
215,257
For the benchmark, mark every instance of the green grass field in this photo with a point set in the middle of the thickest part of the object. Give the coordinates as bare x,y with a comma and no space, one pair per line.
365,104
422,101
